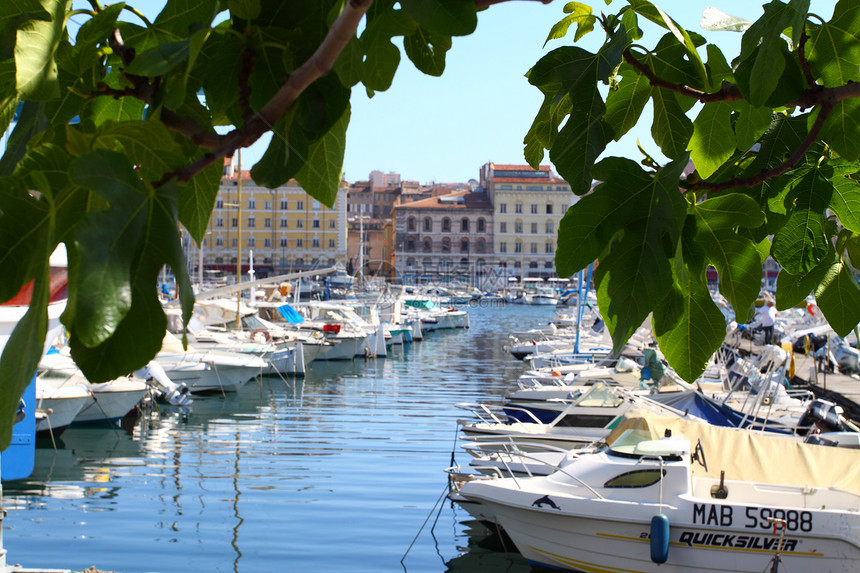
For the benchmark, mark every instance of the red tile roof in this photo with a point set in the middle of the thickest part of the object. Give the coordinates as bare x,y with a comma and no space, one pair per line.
471,200
510,167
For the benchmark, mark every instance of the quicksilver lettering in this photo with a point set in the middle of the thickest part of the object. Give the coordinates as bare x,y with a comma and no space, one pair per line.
764,543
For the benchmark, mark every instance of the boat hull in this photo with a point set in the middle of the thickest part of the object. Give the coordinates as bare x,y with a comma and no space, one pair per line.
111,401
548,533
61,411
344,349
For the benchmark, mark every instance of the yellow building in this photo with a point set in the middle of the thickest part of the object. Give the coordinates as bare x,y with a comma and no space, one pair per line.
286,229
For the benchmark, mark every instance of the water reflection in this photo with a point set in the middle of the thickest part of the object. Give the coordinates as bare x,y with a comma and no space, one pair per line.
487,551
332,472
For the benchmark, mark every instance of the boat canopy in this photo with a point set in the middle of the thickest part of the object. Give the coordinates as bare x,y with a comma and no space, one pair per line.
748,456
421,304
716,413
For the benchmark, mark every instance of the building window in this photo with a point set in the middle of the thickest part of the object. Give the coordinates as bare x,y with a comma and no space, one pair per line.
428,224
550,228
235,222
518,247
534,209
481,247
446,225
235,244
299,244
503,227
410,262
283,223
252,204
283,243
410,224
268,205
315,224
549,208
503,208
267,223
548,248
410,245
267,243
284,204
251,223
315,243
464,246
300,261
219,222
300,224
464,225
331,243
481,225
534,228
503,247
219,242
331,224
533,249
316,205
518,228
300,205
446,245
219,204
518,208
428,245
251,242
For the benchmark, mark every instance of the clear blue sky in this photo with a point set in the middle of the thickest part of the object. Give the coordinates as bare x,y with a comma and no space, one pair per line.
443,129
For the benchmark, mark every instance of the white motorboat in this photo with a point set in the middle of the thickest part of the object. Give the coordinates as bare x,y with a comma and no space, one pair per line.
344,331
207,372
431,316
57,404
112,401
702,498
212,328
108,402
588,417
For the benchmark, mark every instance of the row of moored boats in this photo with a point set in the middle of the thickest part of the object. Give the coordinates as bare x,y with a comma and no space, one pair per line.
271,337
599,464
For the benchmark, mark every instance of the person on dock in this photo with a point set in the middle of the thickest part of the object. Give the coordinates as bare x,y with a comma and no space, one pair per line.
768,318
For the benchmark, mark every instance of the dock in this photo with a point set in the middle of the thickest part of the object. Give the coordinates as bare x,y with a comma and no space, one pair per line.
841,389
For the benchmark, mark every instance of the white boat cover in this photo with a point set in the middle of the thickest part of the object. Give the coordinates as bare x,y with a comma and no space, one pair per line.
752,457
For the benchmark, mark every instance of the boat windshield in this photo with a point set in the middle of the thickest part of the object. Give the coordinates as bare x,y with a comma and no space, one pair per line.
635,443
627,442
600,396
252,322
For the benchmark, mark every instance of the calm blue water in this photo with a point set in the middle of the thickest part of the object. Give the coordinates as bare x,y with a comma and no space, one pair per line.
335,472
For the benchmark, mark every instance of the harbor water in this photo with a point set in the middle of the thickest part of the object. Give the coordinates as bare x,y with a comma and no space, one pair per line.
339,471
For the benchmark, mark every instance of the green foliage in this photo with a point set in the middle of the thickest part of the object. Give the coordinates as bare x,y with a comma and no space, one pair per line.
114,149
111,151
770,170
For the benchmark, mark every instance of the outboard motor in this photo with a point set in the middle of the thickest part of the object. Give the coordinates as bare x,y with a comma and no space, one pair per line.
821,416
175,394
847,358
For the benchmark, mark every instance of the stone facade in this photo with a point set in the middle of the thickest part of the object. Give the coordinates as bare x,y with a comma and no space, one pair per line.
446,237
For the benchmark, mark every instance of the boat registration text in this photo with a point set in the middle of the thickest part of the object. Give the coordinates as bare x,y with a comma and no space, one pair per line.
752,518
